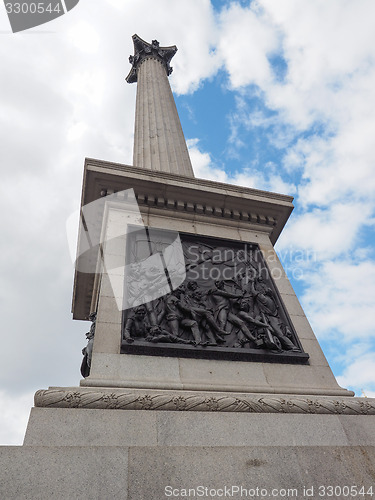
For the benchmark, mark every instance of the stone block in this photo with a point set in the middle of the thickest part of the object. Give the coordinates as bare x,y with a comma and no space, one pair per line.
112,286
135,371
138,371
281,281
117,230
105,366
172,223
300,379
153,472
186,429
217,231
302,326
114,263
222,375
268,472
115,246
360,430
107,338
86,427
259,237
292,305
312,347
248,429
108,311
38,473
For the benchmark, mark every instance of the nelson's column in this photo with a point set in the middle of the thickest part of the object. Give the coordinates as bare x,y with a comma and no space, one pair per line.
201,369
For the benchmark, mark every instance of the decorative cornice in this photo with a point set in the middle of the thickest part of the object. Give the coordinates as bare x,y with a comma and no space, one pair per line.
144,50
123,399
203,209
203,198
168,178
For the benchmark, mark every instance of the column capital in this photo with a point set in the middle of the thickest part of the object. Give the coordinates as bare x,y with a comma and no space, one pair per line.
144,50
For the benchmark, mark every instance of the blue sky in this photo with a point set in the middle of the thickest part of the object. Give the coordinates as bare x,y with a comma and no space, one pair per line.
276,95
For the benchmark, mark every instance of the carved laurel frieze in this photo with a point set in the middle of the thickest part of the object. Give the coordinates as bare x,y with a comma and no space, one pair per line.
174,401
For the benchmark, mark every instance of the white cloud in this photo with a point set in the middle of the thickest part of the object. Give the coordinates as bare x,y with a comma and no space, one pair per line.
76,131
84,37
327,232
246,40
340,300
203,165
205,168
337,166
360,374
326,46
329,50
13,417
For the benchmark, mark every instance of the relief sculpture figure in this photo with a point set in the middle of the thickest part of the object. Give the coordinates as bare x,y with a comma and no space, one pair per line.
204,315
222,301
137,326
268,310
157,334
178,316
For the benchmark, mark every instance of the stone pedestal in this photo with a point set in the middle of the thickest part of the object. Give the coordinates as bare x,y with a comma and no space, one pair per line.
157,472
84,453
142,427
197,207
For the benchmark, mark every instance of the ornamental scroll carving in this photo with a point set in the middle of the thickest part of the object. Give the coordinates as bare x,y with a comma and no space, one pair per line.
227,307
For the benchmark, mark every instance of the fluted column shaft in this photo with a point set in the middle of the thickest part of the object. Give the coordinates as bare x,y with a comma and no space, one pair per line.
159,142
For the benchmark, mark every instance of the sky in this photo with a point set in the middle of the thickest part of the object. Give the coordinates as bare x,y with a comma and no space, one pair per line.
272,94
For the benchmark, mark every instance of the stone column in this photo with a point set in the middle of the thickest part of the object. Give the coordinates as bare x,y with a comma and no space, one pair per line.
159,142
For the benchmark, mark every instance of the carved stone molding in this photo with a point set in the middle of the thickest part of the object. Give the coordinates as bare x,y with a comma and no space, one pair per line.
123,399
144,50
205,209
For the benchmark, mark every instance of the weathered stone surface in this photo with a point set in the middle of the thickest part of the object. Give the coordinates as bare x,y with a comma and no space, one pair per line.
110,427
87,427
37,473
156,372
265,468
144,472
95,454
